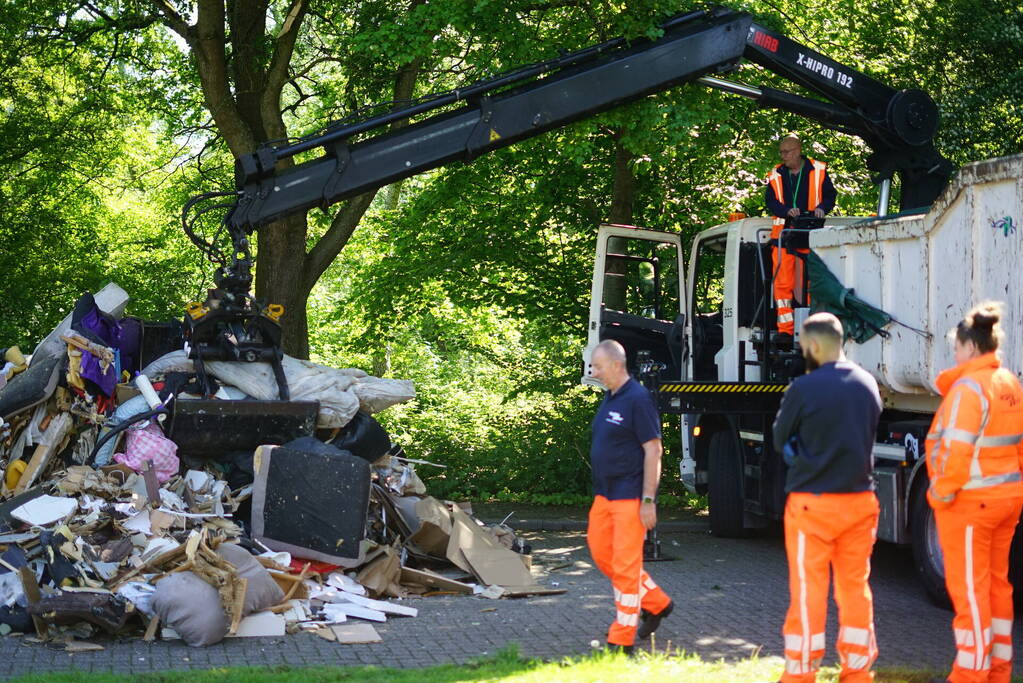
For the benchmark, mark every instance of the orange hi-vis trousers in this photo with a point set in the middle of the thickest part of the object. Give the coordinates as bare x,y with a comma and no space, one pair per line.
615,536
975,536
825,531
788,281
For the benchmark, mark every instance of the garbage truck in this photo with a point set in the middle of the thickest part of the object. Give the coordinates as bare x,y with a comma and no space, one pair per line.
700,336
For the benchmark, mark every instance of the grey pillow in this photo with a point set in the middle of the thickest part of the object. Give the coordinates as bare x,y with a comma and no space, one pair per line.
190,606
262,591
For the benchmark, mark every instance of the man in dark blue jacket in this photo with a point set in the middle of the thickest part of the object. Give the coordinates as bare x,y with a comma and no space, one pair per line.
626,459
826,428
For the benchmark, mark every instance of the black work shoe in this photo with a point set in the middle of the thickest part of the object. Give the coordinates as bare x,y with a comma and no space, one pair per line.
648,622
626,650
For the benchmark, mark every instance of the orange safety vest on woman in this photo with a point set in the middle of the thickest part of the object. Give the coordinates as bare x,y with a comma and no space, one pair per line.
975,444
787,272
975,463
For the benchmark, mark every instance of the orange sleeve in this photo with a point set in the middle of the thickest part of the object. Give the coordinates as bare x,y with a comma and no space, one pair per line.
951,441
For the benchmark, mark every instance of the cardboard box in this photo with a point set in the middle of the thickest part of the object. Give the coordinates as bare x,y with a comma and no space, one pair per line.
125,391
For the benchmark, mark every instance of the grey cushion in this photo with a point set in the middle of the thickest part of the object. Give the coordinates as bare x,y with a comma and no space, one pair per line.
190,606
262,591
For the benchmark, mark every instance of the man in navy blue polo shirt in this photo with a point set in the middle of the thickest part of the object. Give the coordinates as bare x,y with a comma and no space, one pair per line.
626,459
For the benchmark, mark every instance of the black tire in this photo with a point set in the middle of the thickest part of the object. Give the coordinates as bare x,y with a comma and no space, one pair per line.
725,486
927,555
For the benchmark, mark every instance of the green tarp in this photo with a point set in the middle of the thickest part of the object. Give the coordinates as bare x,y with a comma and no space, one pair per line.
860,320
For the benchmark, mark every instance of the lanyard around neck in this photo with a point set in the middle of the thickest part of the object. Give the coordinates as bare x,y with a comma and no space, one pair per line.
795,192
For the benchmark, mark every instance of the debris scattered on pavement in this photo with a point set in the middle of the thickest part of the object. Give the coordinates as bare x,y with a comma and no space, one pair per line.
146,494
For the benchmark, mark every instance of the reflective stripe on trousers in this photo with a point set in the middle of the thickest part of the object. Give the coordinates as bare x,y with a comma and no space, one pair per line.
975,538
615,536
824,532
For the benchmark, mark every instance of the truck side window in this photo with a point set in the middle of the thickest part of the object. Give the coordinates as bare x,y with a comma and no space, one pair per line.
641,278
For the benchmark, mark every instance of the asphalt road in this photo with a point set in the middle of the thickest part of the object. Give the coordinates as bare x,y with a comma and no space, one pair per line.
730,596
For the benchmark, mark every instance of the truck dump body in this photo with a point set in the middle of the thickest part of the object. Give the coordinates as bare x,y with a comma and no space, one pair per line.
928,270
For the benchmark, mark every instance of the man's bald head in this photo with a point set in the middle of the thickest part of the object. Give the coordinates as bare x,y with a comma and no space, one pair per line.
612,350
607,363
790,149
821,338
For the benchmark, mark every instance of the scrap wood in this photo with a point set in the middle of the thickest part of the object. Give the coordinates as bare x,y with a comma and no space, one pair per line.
240,587
326,633
220,574
268,563
432,580
32,595
294,587
150,635
72,645
157,561
50,443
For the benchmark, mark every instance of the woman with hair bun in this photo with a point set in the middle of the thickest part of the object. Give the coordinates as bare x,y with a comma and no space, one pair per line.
974,460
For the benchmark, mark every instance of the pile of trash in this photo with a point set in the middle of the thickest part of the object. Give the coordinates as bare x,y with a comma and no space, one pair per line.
137,499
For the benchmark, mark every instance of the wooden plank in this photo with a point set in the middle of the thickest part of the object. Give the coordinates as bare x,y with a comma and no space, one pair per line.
48,446
32,594
150,635
431,580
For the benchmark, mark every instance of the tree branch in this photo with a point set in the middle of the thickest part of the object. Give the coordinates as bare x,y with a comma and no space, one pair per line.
211,59
346,220
277,74
175,21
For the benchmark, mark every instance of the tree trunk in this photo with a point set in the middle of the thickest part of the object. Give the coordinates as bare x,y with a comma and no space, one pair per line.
243,94
622,194
280,261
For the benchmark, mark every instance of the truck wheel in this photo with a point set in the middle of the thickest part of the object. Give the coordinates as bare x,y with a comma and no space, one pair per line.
725,486
927,555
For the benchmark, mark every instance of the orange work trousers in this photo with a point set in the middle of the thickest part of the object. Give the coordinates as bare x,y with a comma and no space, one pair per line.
975,536
788,282
825,531
615,535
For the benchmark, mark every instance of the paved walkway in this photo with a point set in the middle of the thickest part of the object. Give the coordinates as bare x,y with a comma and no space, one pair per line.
730,596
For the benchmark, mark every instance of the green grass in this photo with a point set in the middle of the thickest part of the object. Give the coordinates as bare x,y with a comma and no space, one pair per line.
506,665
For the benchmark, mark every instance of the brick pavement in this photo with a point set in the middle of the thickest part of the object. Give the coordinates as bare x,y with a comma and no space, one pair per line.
730,594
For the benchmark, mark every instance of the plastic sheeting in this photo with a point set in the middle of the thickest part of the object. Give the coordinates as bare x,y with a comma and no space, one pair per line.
342,392
860,320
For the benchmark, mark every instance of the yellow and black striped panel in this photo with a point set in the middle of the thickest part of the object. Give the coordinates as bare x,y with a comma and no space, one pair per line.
720,388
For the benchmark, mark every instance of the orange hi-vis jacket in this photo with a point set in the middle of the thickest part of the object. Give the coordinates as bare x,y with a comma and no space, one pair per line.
815,184
975,444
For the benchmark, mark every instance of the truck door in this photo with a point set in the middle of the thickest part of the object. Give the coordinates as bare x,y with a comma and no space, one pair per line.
637,298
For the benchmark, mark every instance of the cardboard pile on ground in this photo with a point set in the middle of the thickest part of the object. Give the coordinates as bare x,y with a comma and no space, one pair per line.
132,502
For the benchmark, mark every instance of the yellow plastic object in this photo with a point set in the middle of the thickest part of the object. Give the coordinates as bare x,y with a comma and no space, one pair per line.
14,355
274,312
14,472
196,310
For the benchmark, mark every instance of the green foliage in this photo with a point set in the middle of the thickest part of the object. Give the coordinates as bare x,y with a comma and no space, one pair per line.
472,280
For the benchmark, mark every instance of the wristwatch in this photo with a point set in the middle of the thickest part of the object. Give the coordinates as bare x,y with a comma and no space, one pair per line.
648,499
